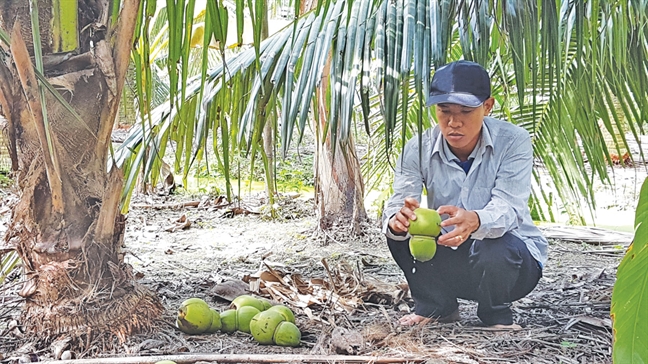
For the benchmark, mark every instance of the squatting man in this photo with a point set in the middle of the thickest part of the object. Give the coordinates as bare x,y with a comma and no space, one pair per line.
477,174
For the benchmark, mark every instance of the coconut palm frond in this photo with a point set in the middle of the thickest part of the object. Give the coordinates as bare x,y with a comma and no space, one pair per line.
569,72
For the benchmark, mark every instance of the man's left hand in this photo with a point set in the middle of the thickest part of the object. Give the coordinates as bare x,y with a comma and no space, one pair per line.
465,222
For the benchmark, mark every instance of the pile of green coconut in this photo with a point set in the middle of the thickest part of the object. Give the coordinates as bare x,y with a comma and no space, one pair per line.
268,324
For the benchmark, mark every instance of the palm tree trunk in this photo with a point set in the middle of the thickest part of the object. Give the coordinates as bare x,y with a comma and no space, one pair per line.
268,130
339,188
67,226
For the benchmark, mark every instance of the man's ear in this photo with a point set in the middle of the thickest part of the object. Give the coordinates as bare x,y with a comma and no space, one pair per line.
488,105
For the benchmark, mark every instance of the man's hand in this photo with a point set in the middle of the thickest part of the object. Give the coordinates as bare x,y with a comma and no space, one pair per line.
465,222
399,223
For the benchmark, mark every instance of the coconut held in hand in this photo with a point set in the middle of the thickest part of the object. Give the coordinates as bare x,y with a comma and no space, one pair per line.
424,231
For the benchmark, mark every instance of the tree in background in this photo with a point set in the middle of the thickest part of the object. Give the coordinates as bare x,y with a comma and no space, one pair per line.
219,105
569,72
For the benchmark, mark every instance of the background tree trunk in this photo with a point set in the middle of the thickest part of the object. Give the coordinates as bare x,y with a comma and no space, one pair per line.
268,130
339,188
70,239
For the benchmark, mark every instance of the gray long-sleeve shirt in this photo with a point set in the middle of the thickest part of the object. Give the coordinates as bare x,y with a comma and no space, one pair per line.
497,186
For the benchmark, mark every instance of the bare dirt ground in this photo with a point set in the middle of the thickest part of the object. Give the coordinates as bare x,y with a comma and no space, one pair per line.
345,289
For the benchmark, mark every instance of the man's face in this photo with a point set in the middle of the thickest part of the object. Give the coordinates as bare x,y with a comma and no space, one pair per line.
461,125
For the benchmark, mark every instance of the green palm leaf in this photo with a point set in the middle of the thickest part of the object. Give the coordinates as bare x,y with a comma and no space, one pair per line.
629,309
536,52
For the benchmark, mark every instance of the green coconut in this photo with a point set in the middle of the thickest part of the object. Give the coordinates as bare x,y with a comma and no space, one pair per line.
428,222
422,247
194,316
244,316
266,304
263,325
228,321
285,311
247,300
194,300
216,322
287,334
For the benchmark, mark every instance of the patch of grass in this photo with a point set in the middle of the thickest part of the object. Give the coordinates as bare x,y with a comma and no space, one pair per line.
5,181
295,174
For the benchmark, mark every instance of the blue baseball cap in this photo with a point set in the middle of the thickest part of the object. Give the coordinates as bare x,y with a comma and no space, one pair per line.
462,82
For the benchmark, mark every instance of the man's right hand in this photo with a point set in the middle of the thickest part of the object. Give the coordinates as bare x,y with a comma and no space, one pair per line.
399,223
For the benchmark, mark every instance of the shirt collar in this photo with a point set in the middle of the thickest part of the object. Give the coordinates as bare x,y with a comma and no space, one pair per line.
486,139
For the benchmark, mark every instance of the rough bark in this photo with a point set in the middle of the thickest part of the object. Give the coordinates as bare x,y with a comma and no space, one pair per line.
77,282
339,188
12,11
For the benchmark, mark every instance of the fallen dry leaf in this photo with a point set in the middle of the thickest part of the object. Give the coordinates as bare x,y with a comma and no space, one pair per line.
345,288
181,224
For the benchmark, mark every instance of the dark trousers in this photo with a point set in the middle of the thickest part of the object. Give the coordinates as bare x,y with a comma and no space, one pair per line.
493,272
